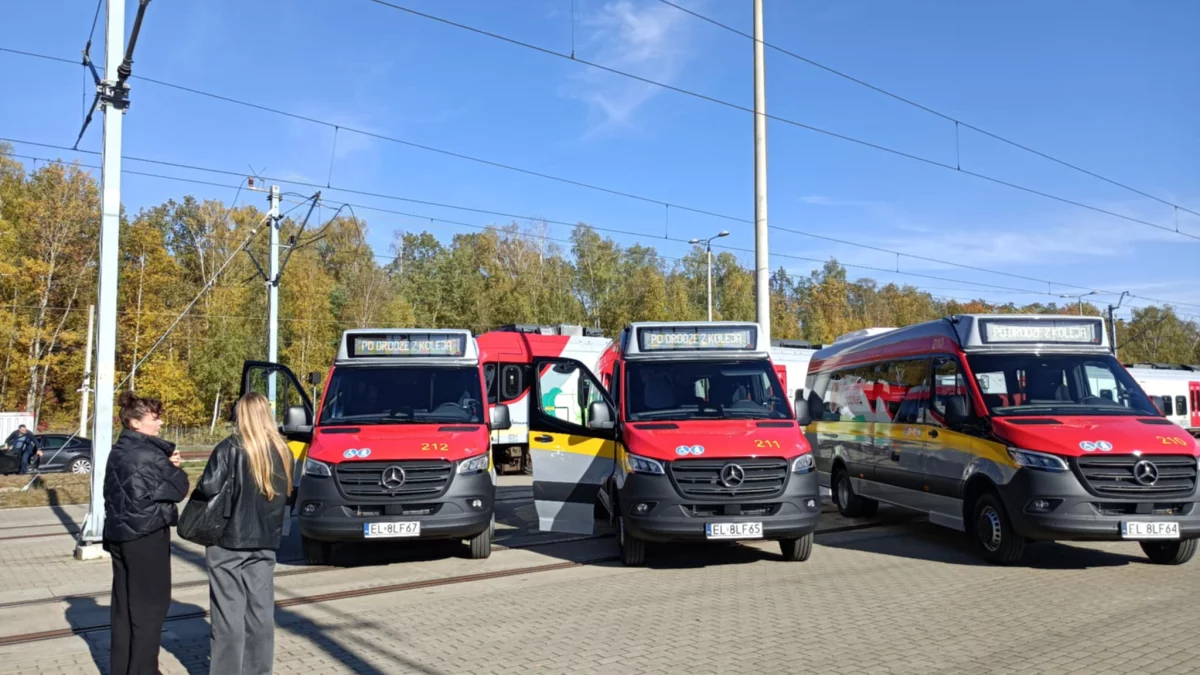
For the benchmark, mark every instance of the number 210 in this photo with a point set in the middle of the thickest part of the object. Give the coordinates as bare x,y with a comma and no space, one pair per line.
1170,440
760,443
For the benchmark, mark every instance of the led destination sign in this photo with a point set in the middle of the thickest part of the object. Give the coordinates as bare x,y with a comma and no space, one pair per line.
412,344
1044,332
696,338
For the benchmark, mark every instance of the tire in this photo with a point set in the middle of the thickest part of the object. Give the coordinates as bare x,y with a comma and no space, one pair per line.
633,550
849,504
796,550
80,465
481,545
1169,552
998,542
316,552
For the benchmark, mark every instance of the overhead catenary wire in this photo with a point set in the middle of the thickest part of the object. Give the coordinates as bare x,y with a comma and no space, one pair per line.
1050,283
777,118
667,205
500,229
870,268
945,116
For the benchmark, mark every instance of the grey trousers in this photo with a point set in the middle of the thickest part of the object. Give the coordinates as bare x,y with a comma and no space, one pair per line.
241,592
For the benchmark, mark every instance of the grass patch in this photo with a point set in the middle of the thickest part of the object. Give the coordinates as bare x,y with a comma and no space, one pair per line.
61,488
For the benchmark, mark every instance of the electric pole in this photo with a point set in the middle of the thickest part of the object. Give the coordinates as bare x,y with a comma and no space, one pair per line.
112,97
1112,322
273,291
762,263
87,373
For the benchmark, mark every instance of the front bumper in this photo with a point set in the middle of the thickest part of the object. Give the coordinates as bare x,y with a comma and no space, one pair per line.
337,518
1079,515
789,515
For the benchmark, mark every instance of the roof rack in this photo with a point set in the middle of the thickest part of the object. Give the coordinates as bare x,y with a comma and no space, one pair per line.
795,344
1163,366
560,329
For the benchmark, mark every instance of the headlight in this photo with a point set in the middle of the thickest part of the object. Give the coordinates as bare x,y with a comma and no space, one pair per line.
637,464
1037,460
314,468
474,464
804,463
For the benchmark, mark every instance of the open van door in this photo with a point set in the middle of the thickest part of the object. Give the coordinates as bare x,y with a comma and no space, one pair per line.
294,413
572,446
293,408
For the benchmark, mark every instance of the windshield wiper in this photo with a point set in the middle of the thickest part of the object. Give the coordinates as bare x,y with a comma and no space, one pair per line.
372,418
747,414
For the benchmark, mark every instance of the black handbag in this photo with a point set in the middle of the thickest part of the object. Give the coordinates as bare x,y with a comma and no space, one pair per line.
203,519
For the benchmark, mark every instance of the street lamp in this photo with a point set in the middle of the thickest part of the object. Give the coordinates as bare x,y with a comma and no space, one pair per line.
1079,299
708,251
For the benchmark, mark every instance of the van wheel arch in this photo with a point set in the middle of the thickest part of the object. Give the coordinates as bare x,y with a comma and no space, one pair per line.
977,486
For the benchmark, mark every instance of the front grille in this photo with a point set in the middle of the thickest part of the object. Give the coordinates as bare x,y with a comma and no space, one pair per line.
373,510
701,478
710,510
1140,508
423,479
1113,475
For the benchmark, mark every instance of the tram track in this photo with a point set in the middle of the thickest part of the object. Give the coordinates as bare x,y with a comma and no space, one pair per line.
308,569
75,531
317,598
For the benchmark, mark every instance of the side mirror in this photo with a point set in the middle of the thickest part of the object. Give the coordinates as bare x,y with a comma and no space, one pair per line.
803,416
600,416
956,410
500,418
297,426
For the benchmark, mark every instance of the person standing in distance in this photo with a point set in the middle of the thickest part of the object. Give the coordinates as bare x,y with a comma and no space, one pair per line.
24,444
257,465
142,485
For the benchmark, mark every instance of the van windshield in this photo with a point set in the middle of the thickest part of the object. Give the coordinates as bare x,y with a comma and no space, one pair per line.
375,395
1057,384
682,390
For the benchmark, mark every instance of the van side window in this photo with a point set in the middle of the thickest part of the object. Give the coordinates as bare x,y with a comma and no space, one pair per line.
489,376
947,382
1181,405
1164,402
906,390
511,382
851,396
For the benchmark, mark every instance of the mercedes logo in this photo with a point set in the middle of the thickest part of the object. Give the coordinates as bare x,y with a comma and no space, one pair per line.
1145,472
732,475
392,477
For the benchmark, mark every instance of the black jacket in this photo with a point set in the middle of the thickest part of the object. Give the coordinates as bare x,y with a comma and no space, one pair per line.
141,487
22,442
254,522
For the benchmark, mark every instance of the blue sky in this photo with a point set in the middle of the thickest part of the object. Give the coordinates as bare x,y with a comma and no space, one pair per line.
1112,86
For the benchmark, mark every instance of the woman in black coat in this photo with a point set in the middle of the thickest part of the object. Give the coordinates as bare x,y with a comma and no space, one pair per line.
142,485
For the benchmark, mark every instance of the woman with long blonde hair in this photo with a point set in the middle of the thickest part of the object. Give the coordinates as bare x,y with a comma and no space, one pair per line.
255,466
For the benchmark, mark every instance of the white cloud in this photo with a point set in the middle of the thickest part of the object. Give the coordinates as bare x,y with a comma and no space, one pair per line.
644,38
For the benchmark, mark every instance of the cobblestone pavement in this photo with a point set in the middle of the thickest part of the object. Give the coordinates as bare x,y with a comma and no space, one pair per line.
899,598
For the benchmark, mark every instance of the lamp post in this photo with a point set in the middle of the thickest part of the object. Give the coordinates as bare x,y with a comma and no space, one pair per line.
1079,299
708,252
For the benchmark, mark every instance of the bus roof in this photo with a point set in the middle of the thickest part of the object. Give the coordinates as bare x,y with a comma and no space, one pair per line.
407,346
692,340
976,333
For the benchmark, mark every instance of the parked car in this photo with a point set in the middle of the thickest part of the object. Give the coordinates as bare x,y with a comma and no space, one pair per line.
65,453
